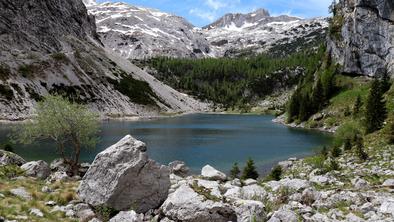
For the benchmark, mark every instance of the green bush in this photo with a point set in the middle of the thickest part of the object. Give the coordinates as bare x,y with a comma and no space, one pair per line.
7,147
105,213
347,131
10,171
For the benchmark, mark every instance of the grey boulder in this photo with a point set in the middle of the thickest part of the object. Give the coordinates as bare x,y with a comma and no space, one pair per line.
39,169
187,205
211,173
127,216
123,177
8,158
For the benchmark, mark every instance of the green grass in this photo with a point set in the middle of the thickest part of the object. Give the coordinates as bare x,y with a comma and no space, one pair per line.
12,206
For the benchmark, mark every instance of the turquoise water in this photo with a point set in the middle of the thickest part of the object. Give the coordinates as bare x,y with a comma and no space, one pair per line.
200,139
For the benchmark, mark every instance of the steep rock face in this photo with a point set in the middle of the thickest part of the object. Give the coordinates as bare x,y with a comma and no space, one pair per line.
137,33
364,40
52,46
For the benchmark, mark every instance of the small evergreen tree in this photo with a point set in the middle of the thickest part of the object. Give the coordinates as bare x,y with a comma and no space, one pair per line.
376,111
235,171
385,82
318,96
324,151
334,165
390,133
347,145
276,173
250,171
359,145
336,151
357,106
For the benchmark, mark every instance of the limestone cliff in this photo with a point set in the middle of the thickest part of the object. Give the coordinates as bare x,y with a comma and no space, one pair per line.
361,36
51,46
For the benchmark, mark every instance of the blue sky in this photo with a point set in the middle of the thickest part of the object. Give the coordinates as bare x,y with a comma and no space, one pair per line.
203,12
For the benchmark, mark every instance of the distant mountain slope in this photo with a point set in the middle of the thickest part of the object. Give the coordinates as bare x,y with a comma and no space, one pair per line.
52,46
257,32
138,33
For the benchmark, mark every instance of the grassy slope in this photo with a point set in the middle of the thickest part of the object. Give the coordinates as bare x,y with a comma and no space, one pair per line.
16,208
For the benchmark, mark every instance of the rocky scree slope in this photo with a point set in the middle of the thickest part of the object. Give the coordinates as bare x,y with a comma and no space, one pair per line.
139,33
362,36
52,46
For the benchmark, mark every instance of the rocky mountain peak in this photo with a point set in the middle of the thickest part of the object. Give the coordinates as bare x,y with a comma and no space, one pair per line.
89,2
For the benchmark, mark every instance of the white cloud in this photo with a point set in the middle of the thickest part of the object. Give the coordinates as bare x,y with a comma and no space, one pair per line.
206,15
215,4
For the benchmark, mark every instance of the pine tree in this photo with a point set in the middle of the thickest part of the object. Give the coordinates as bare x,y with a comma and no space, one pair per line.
376,111
235,171
318,96
359,144
385,82
250,170
357,106
347,145
276,173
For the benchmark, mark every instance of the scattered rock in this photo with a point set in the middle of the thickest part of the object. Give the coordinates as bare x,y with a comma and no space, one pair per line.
359,183
250,182
8,158
211,173
50,203
253,192
21,192
129,216
36,212
39,169
46,189
283,216
59,165
293,184
389,183
187,205
249,210
387,207
122,176
179,168
321,180
58,176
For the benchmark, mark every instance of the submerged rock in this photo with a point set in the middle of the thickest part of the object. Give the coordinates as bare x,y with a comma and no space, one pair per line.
39,169
123,177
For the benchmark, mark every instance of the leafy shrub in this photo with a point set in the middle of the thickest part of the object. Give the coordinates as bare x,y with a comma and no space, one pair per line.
7,147
27,70
333,165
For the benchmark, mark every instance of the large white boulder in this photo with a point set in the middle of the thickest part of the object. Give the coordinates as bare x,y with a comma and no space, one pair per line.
39,169
292,184
123,177
211,173
189,206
